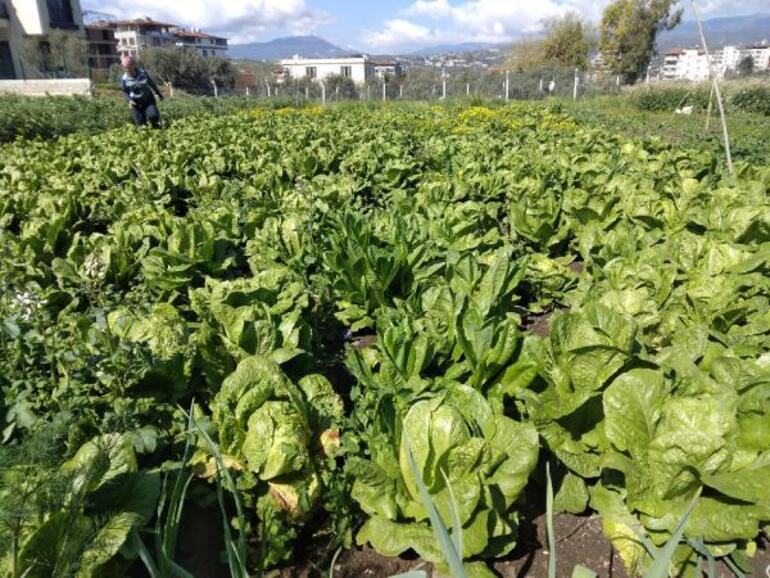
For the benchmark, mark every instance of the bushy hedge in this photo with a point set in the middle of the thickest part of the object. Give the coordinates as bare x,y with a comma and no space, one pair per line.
754,97
671,98
50,117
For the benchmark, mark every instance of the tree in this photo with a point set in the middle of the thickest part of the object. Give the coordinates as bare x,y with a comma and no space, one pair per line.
628,32
746,66
187,69
221,71
527,54
341,87
59,54
567,42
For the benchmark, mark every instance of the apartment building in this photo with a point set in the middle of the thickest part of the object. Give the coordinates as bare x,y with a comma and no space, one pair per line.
207,45
102,44
20,19
693,64
760,54
135,35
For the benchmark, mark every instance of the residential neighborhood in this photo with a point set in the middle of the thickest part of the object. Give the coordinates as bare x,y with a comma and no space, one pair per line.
693,63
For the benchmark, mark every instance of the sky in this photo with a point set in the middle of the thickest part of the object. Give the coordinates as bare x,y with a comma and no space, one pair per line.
385,25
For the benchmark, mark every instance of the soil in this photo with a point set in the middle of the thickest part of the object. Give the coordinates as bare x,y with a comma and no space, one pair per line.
539,325
579,540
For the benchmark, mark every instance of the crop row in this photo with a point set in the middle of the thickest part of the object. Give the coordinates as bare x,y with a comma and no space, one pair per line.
332,291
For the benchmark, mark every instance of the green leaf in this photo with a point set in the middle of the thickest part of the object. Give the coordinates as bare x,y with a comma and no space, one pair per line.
632,406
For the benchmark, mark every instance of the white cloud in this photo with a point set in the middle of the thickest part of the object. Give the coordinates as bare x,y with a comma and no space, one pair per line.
241,20
397,32
477,20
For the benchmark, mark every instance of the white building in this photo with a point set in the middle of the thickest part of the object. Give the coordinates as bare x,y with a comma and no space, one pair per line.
730,57
135,35
207,45
760,54
20,19
693,64
387,68
359,68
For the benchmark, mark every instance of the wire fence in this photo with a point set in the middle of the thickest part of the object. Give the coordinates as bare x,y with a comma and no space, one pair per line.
430,86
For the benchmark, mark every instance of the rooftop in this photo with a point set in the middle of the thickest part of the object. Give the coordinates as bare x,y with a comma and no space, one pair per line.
145,22
196,34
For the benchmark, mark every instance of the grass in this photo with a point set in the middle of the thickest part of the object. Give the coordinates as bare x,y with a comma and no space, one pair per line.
749,132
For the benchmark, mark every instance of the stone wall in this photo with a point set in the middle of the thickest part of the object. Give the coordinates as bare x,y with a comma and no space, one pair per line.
53,87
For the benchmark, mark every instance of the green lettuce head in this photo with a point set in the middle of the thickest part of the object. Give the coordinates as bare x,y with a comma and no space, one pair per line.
466,454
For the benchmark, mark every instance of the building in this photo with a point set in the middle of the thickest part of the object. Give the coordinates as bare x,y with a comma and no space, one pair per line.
693,64
387,68
359,68
102,44
207,45
135,35
20,19
760,54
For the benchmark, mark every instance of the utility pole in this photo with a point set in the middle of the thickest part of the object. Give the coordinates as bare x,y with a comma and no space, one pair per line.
467,89
267,83
541,85
401,91
443,89
384,91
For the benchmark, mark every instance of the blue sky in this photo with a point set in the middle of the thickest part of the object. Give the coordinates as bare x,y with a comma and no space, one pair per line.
386,25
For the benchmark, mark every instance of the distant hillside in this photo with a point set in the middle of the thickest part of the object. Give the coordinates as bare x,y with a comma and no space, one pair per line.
719,32
307,46
460,48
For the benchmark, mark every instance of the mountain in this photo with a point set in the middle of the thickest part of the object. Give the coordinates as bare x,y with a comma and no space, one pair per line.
307,46
719,32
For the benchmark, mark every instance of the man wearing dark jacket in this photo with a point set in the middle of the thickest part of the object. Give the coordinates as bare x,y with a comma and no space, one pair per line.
140,90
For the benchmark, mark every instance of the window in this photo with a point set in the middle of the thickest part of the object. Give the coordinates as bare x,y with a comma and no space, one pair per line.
346,71
132,41
311,72
60,14
6,62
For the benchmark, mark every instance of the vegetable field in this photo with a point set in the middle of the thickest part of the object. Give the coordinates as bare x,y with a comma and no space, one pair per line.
325,324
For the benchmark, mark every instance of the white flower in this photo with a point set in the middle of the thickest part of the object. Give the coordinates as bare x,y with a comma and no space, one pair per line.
94,267
27,304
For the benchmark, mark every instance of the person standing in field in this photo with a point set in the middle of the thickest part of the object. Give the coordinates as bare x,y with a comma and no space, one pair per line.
140,90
